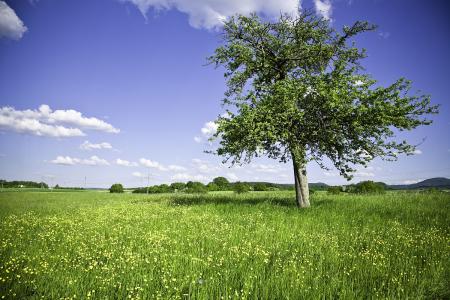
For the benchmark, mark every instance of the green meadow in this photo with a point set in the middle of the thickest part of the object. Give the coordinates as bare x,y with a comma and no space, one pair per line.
81,245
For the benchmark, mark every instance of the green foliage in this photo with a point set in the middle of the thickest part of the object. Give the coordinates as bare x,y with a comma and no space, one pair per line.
155,189
260,187
241,187
68,188
297,90
212,187
367,187
178,186
116,188
222,183
391,246
22,184
334,190
194,187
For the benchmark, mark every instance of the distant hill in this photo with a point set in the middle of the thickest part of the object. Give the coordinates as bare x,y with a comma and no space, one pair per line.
438,182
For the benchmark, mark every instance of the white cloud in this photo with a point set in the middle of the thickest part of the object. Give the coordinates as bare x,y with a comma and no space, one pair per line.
417,151
152,164
126,163
209,128
95,161
138,174
65,160
364,174
384,34
90,146
411,181
45,122
10,25
204,166
70,161
156,165
265,168
323,8
176,168
189,177
212,13
207,131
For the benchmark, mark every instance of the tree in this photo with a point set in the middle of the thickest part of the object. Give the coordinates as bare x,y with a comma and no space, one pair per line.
296,92
260,186
178,186
116,188
241,187
195,187
212,187
368,187
222,183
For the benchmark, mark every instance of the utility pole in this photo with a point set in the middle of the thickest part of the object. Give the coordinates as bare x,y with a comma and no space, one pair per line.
84,182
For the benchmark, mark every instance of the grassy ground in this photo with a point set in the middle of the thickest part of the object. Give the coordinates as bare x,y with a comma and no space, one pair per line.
252,246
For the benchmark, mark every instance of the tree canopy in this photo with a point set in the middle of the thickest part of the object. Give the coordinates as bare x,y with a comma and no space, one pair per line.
296,91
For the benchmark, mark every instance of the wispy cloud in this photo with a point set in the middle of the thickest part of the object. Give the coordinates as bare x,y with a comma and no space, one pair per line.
45,122
126,163
412,181
323,8
70,161
384,34
203,166
212,13
11,26
364,174
139,174
90,146
207,131
160,167
192,177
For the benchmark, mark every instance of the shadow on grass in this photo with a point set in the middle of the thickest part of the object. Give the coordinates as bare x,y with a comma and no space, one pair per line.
246,199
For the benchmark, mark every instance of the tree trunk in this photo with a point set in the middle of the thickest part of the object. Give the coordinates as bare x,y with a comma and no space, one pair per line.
301,184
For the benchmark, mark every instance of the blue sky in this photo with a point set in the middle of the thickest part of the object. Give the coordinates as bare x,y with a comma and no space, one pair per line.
115,90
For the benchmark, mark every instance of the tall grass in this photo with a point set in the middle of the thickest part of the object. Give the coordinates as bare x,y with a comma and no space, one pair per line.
223,245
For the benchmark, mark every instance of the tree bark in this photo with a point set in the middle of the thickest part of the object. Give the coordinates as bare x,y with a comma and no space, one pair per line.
301,184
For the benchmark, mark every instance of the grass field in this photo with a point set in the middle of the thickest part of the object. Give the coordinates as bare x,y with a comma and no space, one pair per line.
253,246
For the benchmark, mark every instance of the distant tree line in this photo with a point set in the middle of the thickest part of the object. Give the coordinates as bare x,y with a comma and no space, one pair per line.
363,187
57,187
22,184
217,184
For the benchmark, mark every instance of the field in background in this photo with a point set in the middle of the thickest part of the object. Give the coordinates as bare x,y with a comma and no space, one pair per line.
250,246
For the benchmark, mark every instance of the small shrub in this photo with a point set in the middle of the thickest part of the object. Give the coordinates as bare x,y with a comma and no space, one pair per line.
334,190
241,187
260,187
116,188
368,187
